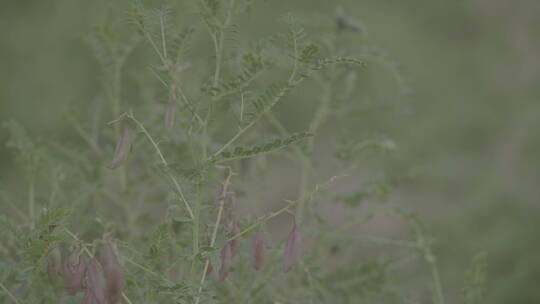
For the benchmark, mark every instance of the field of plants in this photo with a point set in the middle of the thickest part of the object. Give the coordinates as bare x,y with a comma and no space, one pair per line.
256,151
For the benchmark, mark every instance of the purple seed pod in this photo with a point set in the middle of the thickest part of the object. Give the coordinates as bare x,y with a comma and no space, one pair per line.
226,256
73,271
292,249
106,256
113,274
258,250
54,267
115,284
121,150
95,284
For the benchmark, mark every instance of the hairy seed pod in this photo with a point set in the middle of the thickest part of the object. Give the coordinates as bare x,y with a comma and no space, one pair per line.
95,284
106,256
54,266
292,249
122,149
113,274
73,271
258,250
226,256
115,284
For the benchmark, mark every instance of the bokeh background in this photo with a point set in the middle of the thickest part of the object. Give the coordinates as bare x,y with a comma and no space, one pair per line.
470,138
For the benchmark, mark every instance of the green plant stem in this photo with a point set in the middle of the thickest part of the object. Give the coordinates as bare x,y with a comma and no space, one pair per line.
115,100
196,226
148,271
179,191
31,201
87,137
234,138
290,204
306,169
152,43
430,259
163,42
10,295
214,234
218,44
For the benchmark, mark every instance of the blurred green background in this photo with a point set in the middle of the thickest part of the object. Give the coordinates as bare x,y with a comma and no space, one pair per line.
471,133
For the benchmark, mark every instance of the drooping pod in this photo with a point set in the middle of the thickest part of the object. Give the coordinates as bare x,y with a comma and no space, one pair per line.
115,285
106,256
74,271
113,274
292,249
95,284
122,149
258,250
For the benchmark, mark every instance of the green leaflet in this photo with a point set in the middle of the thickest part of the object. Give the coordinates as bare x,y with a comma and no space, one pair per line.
251,65
240,152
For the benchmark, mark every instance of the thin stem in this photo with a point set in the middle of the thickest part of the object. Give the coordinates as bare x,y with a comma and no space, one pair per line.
196,224
242,108
295,67
189,105
11,296
148,271
214,233
126,298
235,137
163,37
430,259
85,135
308,197
164,162
31,201
218,44
306,169
153,44
264,220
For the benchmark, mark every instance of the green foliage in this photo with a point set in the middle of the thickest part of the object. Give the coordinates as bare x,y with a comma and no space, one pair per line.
240,152
251,65
171,211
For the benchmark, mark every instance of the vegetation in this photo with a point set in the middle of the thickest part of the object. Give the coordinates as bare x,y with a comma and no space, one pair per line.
183,181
